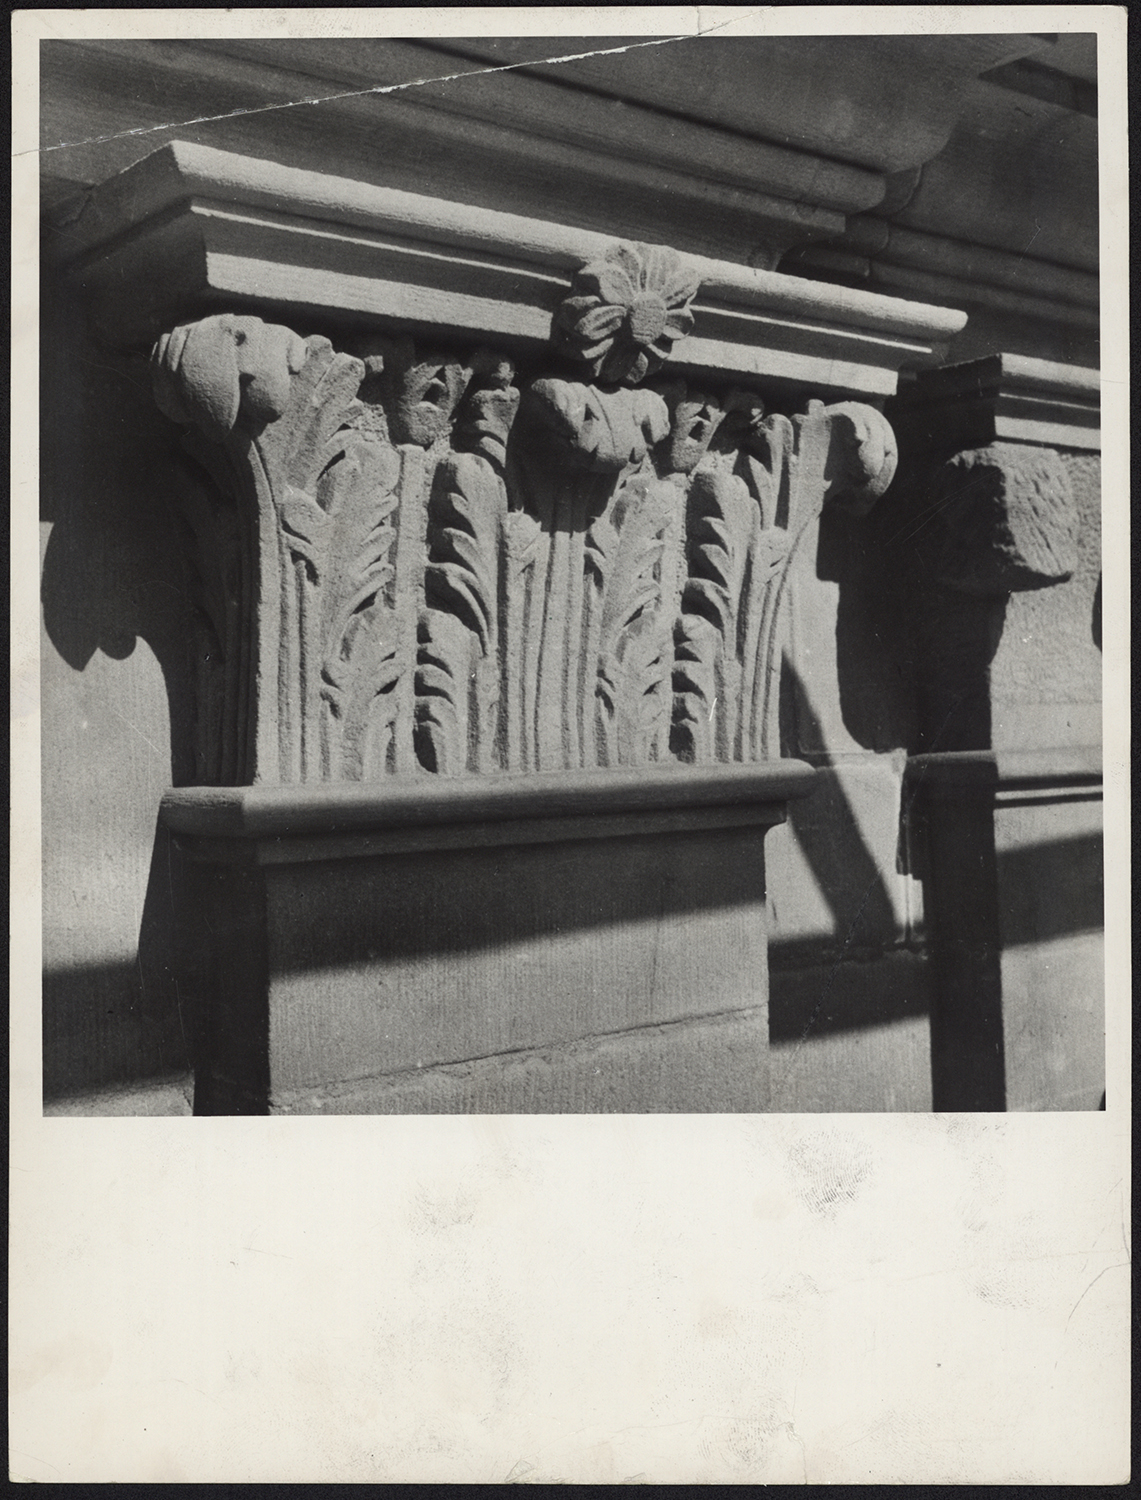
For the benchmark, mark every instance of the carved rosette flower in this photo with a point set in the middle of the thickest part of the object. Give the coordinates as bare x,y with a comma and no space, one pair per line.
626,312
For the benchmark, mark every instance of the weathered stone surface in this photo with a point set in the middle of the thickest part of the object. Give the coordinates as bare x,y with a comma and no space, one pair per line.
358,968
412,562
692,1067
854,1038
1045,676
1008,518
232,229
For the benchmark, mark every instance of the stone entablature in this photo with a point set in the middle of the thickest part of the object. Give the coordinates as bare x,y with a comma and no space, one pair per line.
983,446
236,234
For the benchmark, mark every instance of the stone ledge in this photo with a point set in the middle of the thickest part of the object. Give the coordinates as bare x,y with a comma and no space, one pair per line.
977,773
944,270
667,1069
1002,398
287,824
191,228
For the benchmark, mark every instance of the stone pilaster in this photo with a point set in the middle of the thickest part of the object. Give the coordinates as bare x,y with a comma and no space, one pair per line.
998,512
514,521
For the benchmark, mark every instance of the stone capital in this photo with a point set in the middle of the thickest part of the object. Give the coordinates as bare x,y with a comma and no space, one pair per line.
416,559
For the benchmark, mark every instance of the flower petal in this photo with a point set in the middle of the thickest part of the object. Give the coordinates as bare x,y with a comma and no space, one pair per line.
616,275
627,260
641,367
681,289
620,364
659,265
600,322
571,309
596,350
679,322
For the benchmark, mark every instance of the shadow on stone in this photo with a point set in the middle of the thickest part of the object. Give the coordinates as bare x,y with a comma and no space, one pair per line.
875,653
828,833
116,1024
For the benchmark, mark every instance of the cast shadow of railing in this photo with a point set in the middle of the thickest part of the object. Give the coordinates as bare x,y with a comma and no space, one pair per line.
847,873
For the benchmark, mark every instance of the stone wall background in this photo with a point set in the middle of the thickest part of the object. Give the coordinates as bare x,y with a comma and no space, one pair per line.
850,980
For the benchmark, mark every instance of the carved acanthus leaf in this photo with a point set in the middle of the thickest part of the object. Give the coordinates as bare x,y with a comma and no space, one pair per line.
722,524
627,551
421,567
457,672
605,431
223,369
862,458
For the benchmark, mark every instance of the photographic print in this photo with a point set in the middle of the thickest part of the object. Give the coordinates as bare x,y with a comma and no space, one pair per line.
572,577
565,929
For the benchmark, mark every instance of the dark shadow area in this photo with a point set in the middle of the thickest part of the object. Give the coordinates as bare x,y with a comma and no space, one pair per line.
368,911
114,570
1052,889
111,1025
875,651
226,912
959,869
113,575
941,641
827,1000
958,636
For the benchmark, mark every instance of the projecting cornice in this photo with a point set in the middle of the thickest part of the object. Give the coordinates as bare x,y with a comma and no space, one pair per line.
738,148
1006,398
192,230
1002,222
